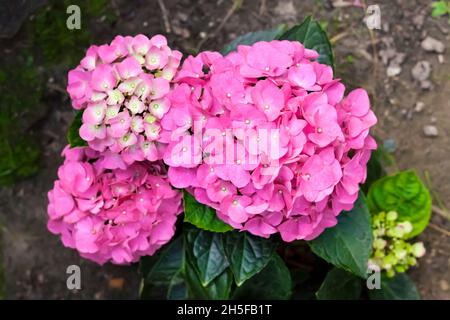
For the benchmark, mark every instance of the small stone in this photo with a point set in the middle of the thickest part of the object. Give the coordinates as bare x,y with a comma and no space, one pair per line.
183,16
444,285
419,106
421,71
418,21
183,32
145,24
393,70
433,119
430,131
202,34
390,145
441,58
432,45
426,85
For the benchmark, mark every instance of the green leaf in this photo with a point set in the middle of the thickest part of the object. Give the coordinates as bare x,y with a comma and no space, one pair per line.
405,193
340,285
252,37
207,254
218,289
400,287
311,34
163,273
247,254
202,216
272,283
440,8
73,135
348,245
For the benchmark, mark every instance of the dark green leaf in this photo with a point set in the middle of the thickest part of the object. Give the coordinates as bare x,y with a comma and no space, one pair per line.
400,287
73,135
163,273
348,245
272,283
247,254
218,289
404,193
311,34
202,216
252,37
206,253
340,285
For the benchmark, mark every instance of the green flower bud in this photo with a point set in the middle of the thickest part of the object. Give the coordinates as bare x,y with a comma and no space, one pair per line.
400,269
411,261
400,254
389,261
391,216
390,273
418,249
379,243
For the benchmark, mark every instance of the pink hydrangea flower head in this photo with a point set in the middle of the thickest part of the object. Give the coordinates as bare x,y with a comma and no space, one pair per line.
122,88
266,137
110,211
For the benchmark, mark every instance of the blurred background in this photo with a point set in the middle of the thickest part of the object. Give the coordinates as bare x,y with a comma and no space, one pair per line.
405,66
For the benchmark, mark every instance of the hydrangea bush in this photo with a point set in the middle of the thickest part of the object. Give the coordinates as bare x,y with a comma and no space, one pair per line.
259,147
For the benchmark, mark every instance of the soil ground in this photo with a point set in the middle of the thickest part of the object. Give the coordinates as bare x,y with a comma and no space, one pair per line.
35,261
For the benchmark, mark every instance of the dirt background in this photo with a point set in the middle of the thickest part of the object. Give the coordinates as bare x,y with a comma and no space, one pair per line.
35,261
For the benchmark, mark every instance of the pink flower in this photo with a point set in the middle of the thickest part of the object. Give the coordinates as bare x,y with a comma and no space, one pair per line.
263,59
278,149
111,212
268,98
129,68
122,88
263,135
103,78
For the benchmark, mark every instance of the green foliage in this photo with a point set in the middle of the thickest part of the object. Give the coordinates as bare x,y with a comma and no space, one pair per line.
440,8
50,33
252,37
272,283
208,254
406,194
247,254
201,265
311,34
21,94
348,245
340,285
202,216
73,134
401,287
163,273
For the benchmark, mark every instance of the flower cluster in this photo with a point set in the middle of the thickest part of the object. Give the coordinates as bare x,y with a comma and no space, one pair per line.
263,135
266,137
122,89
391,253
110,211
